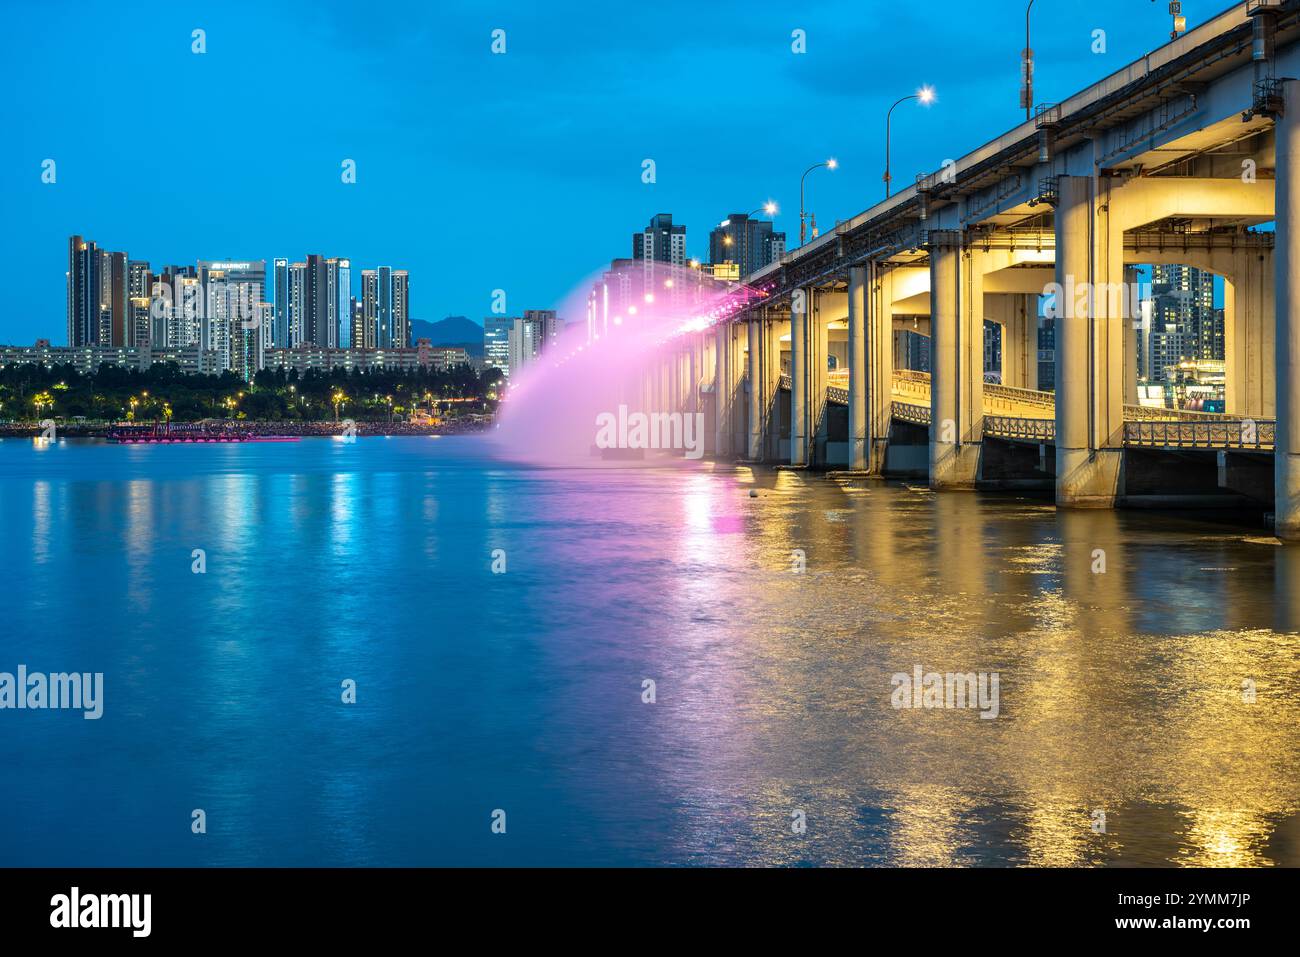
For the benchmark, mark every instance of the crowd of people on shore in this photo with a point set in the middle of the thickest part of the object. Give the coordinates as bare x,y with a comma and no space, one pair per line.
295,427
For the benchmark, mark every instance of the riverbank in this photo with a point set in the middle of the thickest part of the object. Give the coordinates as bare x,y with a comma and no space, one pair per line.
290,427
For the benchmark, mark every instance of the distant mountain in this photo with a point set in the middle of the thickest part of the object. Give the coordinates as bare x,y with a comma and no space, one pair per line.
452,331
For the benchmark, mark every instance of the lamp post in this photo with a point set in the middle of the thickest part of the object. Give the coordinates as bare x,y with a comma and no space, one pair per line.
1027,91
926,96
803,217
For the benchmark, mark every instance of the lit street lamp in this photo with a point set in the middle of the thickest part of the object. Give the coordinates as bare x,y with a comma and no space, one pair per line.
1027,67
926,96
803,229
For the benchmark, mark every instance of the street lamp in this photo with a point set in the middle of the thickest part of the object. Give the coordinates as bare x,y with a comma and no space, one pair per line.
925,95
1027,65
803,229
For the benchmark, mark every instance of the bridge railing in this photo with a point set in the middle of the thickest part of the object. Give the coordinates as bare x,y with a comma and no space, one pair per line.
1146,413
1022,396
1013,427
907,412
1220,434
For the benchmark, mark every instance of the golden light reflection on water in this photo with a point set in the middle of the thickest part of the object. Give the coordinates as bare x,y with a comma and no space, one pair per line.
1101,710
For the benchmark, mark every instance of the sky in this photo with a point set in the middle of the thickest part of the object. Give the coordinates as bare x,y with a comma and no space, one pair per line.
478,171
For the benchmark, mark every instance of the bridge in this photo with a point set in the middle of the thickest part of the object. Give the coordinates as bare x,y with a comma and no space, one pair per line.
1178,158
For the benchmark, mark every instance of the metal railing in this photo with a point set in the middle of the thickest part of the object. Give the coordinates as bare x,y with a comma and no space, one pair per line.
1146,413
1024,396
1011,427
916,414
1221,434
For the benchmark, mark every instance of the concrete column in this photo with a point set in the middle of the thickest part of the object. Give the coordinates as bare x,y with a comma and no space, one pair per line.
708,340
1249,347
1030,312
757,388
878,328
1089,360
1130,346
799,431
647,396
697,371
1018,316
737,339
818,375
721,393
956,363
1286,264
776,328
859,431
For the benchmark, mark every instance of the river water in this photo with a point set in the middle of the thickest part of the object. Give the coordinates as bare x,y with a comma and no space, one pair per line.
1147,667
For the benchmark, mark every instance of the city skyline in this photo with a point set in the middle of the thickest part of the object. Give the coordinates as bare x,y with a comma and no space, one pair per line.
422,199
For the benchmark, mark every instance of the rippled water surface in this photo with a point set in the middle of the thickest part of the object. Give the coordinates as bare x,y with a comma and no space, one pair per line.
1120,691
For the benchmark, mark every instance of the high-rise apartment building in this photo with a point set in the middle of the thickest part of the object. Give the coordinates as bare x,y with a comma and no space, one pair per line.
750,243
114,301
363,336
528,338
98,303
1183,319
139,291
83,292
385,295
661,241
280,337
233,293
339,283
401,309
297,303
496,343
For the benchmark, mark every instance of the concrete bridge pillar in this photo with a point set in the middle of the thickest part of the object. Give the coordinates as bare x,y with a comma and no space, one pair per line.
663,368
799,430
739,341
697,371
824,306
1017,314
776,328
757,386
871,365
646,399
729,370
684,375
1018,317
708,351
1130,345
721,394
672,395
956,362
859,428
1089,347
1249,331
1286,262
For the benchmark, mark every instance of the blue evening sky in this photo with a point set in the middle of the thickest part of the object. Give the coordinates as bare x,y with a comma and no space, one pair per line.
478,171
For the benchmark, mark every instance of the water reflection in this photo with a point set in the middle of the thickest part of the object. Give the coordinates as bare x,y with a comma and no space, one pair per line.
1149,667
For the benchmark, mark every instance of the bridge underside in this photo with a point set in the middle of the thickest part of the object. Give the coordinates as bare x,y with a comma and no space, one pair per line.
1184,157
